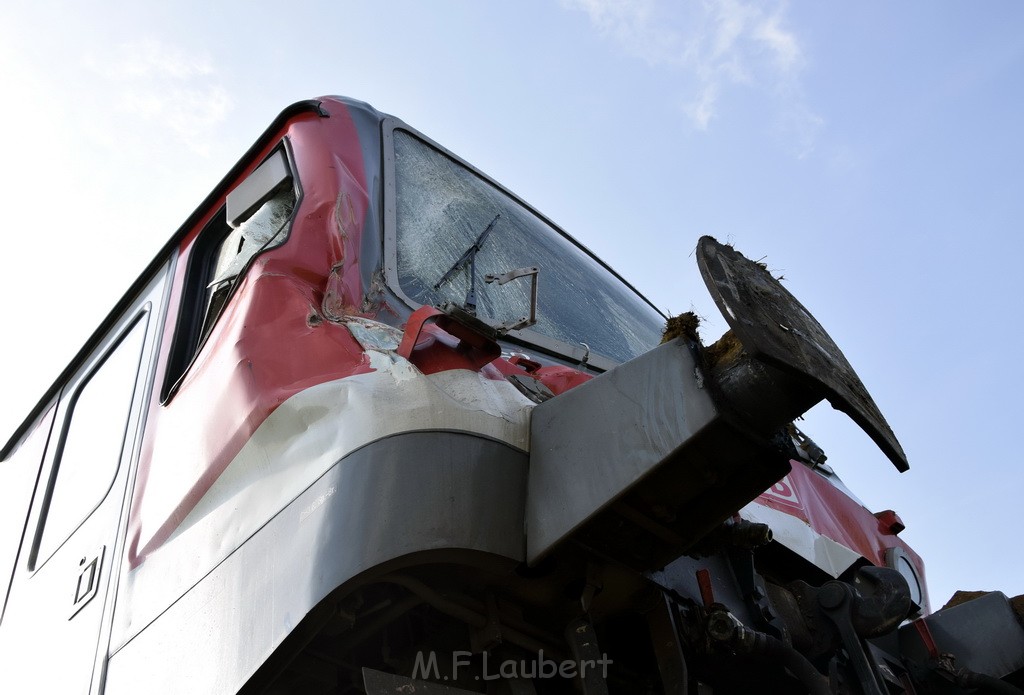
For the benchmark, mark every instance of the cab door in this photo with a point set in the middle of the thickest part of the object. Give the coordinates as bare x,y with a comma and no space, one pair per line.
54,630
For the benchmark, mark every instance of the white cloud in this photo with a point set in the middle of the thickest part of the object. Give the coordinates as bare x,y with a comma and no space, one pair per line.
780,42
634,25
167,86
702,108
715,45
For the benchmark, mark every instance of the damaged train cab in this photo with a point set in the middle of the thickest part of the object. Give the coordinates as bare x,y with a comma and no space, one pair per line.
371,424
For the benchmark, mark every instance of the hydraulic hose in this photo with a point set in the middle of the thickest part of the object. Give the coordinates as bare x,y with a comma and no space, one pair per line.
724,627
773,648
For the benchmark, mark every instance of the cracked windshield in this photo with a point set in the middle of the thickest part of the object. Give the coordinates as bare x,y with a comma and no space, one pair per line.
454,229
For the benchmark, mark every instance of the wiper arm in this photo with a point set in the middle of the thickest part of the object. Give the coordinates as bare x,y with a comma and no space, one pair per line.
469,257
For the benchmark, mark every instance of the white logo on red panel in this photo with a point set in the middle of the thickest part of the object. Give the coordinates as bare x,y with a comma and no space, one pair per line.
783,492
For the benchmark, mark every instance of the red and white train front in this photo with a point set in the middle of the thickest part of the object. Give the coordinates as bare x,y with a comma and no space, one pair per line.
412,420
405,433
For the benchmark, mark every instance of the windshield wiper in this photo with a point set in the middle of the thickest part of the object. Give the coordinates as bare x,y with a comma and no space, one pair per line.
469,257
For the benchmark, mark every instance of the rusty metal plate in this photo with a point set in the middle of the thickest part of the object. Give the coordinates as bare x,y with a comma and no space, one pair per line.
776,329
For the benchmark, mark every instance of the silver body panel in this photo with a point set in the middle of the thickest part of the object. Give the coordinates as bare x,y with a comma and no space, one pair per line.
408,499
56,625
592,444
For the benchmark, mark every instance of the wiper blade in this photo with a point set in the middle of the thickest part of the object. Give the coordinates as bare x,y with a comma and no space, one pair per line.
469,258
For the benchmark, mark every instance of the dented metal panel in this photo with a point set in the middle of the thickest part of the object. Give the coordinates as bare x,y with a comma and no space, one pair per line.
302,439
399,501
593,443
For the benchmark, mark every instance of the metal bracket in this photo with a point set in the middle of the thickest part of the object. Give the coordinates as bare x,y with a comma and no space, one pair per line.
668,647
525,321
583,643
476,338
875,610
775,329
835,599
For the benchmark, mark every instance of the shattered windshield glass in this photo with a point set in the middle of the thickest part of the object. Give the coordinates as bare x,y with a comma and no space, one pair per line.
454,228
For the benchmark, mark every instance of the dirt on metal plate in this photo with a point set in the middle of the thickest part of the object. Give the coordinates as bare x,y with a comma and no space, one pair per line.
1017,602
774,327
684,325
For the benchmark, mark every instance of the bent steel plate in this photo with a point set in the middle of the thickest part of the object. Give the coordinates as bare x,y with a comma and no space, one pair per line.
776,329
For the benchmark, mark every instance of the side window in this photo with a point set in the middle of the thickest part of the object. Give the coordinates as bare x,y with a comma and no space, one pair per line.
255,218
90,443
263,230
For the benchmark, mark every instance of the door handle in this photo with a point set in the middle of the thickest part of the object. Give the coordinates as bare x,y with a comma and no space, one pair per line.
88,583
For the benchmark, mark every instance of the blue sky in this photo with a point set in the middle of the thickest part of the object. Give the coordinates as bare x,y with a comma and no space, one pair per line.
870,151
